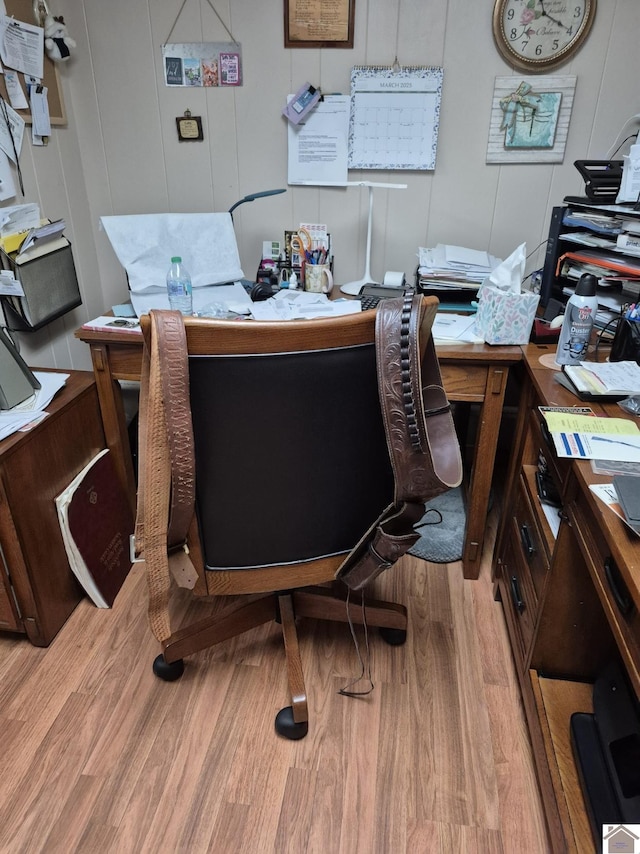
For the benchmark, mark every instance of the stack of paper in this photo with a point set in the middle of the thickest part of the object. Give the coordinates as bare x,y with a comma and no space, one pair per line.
605,378
585,437
42,234
453,267
30,411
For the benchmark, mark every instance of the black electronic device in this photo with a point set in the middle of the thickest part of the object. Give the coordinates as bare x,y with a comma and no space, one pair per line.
547,492
17,382
262,291
551,255
371,294
602,179
606,746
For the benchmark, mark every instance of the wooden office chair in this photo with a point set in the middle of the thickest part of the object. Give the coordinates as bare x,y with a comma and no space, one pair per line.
291,468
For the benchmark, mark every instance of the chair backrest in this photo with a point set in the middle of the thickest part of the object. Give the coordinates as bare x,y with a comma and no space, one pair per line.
291,456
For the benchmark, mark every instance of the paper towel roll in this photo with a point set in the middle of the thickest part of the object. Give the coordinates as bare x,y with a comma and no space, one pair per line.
393,280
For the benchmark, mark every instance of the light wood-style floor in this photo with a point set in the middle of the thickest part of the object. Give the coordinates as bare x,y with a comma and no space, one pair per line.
100,756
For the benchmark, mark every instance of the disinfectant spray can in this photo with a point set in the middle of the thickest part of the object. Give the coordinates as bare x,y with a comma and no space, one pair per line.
577,325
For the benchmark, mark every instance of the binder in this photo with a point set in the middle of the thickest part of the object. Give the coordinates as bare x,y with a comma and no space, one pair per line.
48,277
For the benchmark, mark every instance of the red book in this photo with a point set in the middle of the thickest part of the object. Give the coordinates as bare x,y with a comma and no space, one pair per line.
96,523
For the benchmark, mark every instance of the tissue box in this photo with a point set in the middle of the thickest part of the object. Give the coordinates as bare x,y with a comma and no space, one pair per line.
504,317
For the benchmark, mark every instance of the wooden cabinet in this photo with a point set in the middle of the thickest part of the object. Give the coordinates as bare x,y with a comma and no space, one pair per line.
38,591
569,582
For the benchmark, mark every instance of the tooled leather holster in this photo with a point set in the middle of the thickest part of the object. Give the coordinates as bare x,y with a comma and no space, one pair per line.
421,438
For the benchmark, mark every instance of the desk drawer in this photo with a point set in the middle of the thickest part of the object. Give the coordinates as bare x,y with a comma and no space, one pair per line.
518,593
620,610
533,544
464,382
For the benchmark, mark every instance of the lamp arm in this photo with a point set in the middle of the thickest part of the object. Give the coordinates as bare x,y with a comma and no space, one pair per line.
253,196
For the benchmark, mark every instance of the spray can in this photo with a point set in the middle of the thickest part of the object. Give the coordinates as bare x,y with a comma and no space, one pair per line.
578,321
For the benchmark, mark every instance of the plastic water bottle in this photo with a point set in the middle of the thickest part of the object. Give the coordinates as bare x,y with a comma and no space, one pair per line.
179,287
578,321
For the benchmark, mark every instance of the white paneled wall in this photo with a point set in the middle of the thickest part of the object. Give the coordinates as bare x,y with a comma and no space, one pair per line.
119,153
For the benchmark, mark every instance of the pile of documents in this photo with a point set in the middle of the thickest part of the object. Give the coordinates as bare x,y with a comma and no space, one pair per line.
28,413
602,379
583,437
613,244
448,267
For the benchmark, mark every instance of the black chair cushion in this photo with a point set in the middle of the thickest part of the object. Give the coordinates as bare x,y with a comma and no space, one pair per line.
291,455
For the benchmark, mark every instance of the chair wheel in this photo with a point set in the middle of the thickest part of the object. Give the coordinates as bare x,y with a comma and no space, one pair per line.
168,672
394,637
287,727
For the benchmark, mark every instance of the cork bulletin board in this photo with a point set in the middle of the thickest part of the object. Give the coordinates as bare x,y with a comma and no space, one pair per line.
22,10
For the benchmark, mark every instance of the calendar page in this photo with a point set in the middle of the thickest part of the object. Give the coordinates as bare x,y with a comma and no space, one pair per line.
394,117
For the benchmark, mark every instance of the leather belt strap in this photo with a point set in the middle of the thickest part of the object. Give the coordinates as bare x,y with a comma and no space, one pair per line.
166,482
421,438
172,347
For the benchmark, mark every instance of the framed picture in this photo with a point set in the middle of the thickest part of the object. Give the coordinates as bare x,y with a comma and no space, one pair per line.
316,23
530,119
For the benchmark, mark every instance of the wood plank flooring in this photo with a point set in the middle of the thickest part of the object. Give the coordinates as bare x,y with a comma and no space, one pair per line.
100,756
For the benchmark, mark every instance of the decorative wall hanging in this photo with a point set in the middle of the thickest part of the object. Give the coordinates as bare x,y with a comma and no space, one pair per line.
202,64
316,23
530,119
206,64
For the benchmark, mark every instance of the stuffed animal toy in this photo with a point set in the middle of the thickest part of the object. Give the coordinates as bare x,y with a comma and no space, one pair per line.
57,41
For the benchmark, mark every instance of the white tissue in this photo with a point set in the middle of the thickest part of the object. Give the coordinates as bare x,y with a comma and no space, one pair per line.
508,275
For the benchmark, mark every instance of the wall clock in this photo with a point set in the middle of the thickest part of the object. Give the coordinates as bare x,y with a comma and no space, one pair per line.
536,35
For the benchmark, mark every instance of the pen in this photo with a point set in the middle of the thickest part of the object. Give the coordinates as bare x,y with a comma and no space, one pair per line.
614,441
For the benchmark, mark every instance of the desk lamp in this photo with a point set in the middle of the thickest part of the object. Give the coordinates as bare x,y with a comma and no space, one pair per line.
353,288
253,196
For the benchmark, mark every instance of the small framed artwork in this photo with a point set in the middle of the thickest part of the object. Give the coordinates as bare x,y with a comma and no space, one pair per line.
316,23
189,128
530,119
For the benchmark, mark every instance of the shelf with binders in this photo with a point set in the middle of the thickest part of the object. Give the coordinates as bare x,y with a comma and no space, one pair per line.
599,239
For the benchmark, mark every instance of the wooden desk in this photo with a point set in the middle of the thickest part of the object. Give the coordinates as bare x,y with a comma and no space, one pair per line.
472,373
564,593
38,590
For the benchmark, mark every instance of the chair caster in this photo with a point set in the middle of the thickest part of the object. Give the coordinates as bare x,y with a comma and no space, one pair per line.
168,672
287,727
394,637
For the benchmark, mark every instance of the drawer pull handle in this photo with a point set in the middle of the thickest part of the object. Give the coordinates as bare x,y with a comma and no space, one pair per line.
515,595
617,586
527,541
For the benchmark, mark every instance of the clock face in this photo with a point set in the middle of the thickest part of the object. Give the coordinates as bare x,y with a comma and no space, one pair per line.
536,35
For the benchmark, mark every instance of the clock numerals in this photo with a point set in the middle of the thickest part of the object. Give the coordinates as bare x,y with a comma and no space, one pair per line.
539,34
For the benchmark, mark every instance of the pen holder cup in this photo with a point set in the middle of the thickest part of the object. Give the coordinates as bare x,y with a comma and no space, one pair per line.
318,278
626,342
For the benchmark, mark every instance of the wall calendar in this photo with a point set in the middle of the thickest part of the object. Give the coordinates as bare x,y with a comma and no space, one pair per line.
394,117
